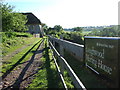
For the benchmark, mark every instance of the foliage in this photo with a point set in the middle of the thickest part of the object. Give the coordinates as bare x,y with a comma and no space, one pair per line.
58,32
12,21
58,28
51,31
106,32
22,34
55,32
75,37
44,27
10,40
78,29
67,35
12,35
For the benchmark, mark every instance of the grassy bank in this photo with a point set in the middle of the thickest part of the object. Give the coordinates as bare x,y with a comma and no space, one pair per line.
11,62
14,40
20,57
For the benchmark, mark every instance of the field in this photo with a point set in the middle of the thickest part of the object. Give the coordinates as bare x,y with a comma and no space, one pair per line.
84,32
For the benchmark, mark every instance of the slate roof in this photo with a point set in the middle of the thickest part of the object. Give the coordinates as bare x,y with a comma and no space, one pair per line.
32,19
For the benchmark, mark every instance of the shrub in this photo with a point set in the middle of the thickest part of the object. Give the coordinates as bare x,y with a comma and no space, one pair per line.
9,37
23,35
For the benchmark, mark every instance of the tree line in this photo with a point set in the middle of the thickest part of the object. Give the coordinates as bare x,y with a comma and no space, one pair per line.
58,32
113,31
77,34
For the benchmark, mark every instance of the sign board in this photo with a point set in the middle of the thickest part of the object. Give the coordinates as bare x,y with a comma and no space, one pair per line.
102,56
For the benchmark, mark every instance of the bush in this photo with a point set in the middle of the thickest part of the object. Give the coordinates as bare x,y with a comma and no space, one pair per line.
113,31
75,37
23,35
11,39
8,36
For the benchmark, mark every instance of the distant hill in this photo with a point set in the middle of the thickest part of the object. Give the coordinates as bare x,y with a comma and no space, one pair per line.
90,28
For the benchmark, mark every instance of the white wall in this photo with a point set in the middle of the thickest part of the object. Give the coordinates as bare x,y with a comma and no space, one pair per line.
35,29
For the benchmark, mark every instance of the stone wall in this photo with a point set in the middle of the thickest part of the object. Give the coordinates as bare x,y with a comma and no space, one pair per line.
76,50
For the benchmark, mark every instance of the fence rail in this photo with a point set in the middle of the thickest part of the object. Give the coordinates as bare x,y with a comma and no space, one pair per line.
65,66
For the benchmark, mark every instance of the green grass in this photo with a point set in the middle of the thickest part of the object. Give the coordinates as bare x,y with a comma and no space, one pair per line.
85,32
21,57
47,76
68,80
10,41
19,42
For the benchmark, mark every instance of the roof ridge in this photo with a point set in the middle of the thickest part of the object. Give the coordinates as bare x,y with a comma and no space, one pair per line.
32,19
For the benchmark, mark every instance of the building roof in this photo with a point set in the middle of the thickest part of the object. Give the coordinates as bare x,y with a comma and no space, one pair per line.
32,19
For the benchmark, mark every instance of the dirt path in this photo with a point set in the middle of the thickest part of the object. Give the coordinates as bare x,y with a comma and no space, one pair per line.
23,73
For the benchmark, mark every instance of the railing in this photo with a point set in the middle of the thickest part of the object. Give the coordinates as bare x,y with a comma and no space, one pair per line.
63,65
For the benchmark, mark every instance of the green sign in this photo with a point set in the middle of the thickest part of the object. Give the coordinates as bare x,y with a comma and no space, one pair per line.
102,56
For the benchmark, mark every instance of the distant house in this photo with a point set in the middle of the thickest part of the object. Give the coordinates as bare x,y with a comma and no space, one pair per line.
34,25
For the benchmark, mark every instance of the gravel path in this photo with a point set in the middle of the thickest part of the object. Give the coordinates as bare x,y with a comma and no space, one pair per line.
24,73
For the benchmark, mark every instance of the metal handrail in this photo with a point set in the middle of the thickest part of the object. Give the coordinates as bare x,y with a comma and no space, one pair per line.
75,79
59,71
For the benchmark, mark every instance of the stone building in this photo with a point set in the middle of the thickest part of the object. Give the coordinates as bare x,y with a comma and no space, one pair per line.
34,25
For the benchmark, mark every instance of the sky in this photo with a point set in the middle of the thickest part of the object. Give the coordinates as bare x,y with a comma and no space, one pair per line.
70,13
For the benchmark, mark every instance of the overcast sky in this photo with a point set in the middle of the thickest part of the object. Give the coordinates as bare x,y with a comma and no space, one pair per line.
70,13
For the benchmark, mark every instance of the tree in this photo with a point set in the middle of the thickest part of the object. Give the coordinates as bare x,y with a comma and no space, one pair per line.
113,31
45,27
58,28
78,29
12,21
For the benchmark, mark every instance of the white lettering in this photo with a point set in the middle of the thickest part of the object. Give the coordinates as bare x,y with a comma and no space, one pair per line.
96,53
98,63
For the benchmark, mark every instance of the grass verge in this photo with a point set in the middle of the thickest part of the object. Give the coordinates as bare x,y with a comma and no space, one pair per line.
47,76
18,42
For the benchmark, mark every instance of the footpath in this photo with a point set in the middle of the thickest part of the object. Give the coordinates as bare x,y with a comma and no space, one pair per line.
23,74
